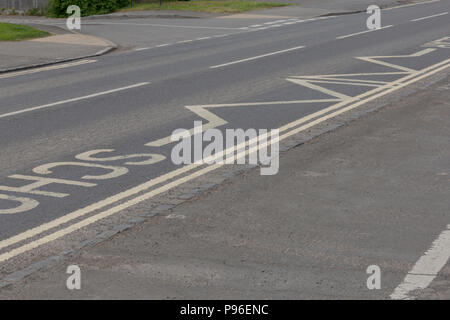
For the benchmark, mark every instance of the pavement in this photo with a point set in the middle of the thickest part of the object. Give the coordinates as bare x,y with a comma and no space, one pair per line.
86,156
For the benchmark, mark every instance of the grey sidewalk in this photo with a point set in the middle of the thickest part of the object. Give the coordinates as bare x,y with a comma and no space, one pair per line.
372,192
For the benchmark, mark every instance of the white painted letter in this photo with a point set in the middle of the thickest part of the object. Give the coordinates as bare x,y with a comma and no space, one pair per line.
74,21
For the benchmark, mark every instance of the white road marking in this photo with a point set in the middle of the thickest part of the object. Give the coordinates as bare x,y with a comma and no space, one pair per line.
429,17
160,25
6,115
54,67
184,41
203,38
256,57
362,32
162,45
411,78
426,268
141,49
411,4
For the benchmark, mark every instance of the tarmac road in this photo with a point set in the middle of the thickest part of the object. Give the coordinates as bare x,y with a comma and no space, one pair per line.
126,103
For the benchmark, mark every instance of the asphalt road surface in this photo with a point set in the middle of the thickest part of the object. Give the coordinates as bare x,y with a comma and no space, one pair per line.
89,139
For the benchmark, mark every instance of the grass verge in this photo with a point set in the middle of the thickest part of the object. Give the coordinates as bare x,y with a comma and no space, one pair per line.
15,32
214,6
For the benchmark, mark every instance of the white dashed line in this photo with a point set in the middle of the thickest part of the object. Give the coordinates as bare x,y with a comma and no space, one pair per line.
426,268
257,57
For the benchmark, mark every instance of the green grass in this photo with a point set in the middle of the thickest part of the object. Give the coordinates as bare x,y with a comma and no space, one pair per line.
15,32
229,6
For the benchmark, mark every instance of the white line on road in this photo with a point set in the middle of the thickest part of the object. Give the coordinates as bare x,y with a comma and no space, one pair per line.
54,67
162,45
426,268
429,17
366,31
257,57
5,115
